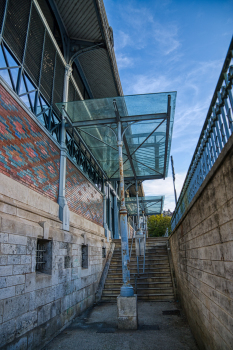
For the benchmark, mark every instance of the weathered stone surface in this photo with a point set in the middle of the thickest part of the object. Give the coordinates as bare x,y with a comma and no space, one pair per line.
7,332
16,239
5,270
127,312
128,322
16,306
3,238
7,292
33,306
26,322
202,251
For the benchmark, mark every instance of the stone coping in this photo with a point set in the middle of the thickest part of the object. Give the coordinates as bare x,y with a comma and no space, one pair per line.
22,197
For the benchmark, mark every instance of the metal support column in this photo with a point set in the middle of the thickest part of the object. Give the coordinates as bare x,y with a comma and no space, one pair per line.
126,289
116,228
139,231
173,175
104,213
64,214
109,210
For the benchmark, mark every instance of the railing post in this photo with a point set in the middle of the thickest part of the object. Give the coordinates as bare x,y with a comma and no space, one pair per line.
104,213
116,229
139,231
126,289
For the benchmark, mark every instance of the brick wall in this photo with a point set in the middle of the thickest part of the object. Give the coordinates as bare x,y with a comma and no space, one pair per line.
82,197
29,156
202,251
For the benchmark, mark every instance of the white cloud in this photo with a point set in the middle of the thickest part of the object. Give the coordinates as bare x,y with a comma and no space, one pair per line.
123,40
141,84
124,61
167,38
165,187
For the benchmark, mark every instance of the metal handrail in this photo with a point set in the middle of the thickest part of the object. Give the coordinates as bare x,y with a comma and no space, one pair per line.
144,259
136,276
217,129
131,247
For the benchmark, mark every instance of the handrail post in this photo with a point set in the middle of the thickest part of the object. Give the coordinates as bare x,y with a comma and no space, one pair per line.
126,289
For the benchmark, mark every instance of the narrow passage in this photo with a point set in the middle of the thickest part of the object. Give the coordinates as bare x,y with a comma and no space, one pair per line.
162,326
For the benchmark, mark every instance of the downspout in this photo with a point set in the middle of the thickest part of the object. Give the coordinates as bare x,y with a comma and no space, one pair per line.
105,213
64,213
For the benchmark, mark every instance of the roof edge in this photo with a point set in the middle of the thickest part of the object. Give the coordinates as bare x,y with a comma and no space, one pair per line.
109,45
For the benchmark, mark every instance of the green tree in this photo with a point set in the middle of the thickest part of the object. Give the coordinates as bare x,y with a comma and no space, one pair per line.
158,224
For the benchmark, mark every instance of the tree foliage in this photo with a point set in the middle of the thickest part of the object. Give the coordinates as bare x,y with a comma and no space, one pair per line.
158,224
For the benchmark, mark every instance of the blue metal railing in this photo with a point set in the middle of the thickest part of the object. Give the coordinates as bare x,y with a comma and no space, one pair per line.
215,133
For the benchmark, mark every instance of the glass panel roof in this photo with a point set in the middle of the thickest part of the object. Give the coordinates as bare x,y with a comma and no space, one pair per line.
132,105
151,205
145,119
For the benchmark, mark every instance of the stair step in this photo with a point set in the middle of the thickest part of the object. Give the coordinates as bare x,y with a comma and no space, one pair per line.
167,279
133,270
155,284
154,297
148,258
160,285
150,274
147,263
143,291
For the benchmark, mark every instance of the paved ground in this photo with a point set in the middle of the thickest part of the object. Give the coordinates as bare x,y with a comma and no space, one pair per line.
97,329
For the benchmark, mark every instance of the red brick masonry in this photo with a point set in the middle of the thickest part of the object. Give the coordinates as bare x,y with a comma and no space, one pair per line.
29,156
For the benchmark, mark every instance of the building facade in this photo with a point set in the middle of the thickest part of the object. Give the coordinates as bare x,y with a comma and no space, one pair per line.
49,275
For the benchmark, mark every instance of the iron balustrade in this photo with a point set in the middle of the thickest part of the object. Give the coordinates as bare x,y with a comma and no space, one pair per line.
217,129
32,63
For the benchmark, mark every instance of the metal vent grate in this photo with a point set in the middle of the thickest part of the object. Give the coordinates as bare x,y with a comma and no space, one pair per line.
34,46
51,20
40,256
2,10
15,29
58,82
103,252
47,68
101,82
71,92
47,13
85,256
78,79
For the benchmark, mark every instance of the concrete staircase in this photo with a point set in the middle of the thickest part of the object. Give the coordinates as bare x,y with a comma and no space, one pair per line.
154,285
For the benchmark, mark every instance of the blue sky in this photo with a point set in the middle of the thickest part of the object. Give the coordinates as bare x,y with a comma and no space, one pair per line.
172,45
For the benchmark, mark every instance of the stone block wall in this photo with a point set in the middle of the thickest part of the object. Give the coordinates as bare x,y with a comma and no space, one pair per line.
34,305
202,251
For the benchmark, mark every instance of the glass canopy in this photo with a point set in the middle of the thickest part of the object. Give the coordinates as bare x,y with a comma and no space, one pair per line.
150,205
148,124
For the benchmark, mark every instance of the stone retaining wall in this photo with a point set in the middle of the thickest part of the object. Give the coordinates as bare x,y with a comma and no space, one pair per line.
202,251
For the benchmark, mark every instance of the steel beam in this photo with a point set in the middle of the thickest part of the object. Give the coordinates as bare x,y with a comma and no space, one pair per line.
167,133
113,120
142,178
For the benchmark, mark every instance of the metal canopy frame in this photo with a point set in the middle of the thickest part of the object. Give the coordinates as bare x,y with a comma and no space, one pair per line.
119,108
149,205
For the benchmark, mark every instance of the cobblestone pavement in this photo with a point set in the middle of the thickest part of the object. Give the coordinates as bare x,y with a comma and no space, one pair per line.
96,329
